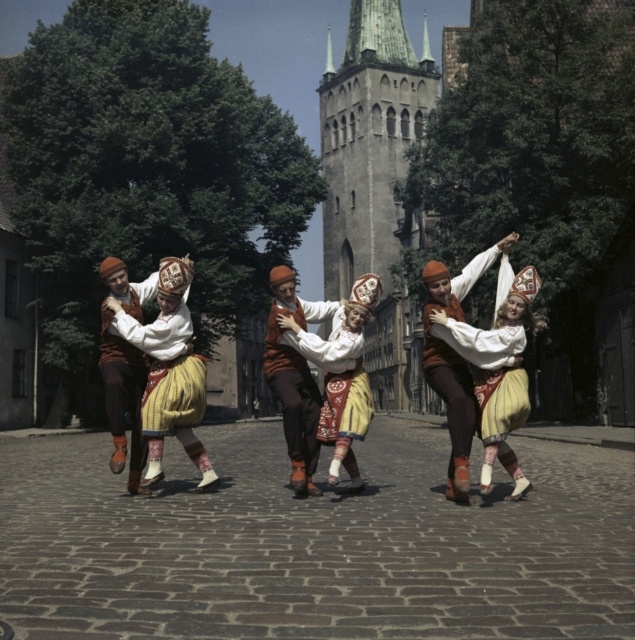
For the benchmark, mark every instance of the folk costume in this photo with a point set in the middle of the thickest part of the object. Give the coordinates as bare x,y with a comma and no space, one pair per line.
502,390
124,370
175,398
347,408
288,375
447,372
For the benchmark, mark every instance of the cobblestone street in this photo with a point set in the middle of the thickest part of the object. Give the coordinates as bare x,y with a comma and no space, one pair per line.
80,559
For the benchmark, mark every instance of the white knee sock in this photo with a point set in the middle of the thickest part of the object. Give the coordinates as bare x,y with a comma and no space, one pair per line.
521,484
486,474
334,469
154,469
209,476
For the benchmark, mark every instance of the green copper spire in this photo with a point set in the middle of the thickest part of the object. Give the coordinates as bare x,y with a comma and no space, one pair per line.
376,33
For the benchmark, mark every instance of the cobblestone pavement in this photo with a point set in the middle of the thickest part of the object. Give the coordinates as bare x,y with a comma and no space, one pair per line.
82,560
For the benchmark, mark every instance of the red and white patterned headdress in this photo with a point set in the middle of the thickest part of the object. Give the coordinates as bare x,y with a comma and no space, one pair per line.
175,276
527,284
367,290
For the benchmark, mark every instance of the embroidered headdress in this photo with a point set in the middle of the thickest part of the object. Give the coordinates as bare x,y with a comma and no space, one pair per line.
527,284
175,276
366,291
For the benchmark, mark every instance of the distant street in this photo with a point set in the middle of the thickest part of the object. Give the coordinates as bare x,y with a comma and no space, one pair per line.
82,560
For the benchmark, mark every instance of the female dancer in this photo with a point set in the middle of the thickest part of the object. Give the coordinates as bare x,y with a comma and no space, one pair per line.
348,403
175,397
502,388
446,371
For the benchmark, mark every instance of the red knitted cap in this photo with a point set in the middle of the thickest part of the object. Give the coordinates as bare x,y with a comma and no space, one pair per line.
433,271
111,265
281,274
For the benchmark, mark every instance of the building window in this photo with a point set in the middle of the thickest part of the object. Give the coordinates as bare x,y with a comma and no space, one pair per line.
419,125
405,124
352,199
353,126
376,119
343,130
336,135
391,122
19,374
11,290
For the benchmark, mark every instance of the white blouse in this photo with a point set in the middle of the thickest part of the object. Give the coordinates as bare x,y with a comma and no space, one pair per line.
338,353
490,349
165,339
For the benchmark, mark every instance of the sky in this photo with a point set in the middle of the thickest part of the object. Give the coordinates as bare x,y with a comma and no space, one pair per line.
281,45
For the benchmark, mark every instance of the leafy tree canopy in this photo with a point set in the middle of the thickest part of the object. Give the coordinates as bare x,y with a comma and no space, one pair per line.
128,139
538,137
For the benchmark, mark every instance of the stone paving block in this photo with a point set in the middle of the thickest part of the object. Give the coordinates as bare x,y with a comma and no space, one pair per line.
326,633
206,629
48,634
247,561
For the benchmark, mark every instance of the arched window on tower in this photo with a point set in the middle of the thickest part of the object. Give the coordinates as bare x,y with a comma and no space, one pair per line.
361,123
404,92
376,118
385,88
352,199
330,105
405,124
327,139
421,93
336,136
343,130
347,269
352,126
391,122
356,91
337,204
341,98
419,125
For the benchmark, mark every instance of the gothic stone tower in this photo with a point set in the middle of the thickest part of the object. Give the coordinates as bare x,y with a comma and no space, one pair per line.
371,110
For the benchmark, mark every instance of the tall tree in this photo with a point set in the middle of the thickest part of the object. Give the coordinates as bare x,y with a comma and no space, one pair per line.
128,139
539,138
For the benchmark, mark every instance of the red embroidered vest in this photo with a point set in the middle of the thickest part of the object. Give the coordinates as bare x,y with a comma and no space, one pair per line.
437,351
277,356
114,348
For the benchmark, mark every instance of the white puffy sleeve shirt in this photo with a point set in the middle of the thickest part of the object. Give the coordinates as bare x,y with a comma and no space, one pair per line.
338,353
165,339
147,289
463,283
490,349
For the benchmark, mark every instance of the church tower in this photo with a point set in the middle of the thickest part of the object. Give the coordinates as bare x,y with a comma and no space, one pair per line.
371,110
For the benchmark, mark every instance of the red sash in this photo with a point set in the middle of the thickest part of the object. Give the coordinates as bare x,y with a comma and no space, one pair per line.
336,391
486,384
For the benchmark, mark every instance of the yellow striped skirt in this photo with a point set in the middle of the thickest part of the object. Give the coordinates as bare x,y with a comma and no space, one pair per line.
507,409
359,409
178,400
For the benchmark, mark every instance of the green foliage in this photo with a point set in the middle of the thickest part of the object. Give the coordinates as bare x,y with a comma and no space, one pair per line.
537,139
128,139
